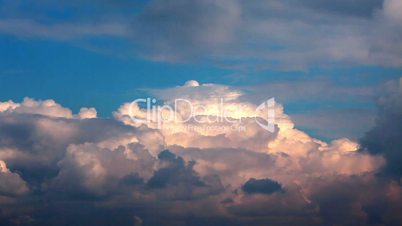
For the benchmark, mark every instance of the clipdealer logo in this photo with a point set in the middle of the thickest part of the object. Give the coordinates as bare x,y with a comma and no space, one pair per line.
159,115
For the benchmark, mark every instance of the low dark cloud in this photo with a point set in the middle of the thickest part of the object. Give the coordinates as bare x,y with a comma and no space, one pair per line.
176,171
386,136
261,186
41,141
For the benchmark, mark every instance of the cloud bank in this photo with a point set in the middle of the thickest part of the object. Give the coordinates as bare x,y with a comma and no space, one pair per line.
60,168
388,127
285,34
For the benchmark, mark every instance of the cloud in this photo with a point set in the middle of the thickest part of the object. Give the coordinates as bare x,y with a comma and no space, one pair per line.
384,138
263,34
44,107
36,134
328,108
86,113
89,169
11,183
58,167
29,28
174,172
334,123
180,180
211,25
30,106
391,11
261,186
347,8
269,34
205,129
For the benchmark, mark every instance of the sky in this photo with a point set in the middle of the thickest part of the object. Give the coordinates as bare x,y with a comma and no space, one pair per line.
72,152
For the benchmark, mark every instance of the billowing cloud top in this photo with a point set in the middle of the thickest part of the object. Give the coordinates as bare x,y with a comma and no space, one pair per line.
56,166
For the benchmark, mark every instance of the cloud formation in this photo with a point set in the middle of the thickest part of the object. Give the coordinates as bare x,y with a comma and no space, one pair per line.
11,183
265,34
57,167
388,127
263,186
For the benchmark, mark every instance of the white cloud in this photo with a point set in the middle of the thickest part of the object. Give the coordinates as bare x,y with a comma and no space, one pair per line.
87,113
289,150
90,168
31,106
44,107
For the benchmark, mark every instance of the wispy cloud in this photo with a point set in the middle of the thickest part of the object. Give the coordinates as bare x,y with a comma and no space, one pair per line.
26,28
274,34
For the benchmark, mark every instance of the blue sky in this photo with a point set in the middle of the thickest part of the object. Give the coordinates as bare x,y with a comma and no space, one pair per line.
77,76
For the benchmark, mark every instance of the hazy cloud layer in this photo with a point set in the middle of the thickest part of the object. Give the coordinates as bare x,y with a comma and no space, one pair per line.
266,34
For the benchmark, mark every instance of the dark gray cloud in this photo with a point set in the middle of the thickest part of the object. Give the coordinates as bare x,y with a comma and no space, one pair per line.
175,172
385,137
261,186
38,142
180,181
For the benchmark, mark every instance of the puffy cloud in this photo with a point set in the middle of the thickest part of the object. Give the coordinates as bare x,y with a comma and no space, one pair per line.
86,113
180,180
303,152
89,169
33,143
44,107
8,105
174,172
11,183
192,83
205,116
31,106
57,160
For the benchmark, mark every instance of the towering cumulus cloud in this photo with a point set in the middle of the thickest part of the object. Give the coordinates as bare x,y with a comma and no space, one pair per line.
60,168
